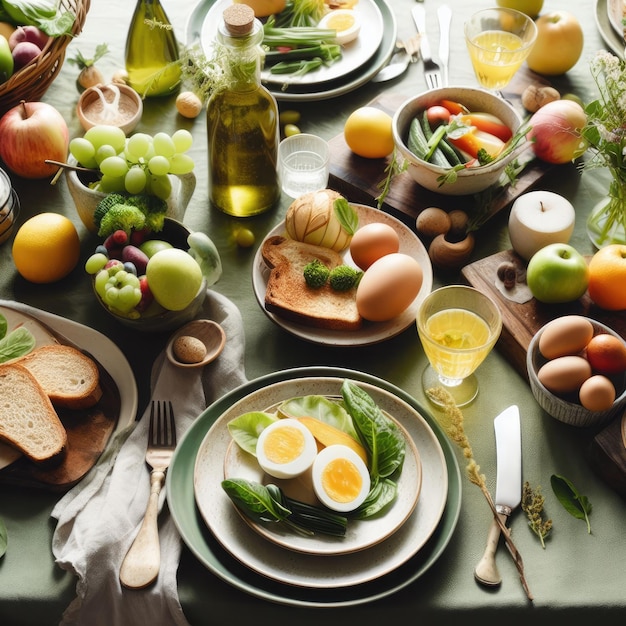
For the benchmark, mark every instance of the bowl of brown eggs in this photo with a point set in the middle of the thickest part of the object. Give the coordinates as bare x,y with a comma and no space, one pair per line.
577,370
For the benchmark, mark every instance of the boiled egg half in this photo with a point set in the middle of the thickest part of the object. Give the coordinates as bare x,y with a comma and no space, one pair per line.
286,448
341,480
345,22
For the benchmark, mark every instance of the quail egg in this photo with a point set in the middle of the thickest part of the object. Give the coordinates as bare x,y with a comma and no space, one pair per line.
341,480
345,22
286,448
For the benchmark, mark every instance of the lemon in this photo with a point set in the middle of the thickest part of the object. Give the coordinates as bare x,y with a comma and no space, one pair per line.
46,248
368,133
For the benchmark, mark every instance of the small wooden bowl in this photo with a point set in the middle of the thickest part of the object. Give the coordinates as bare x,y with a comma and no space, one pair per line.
97,105
210,333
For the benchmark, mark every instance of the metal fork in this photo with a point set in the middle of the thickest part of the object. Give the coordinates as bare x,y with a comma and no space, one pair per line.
432,71
143,560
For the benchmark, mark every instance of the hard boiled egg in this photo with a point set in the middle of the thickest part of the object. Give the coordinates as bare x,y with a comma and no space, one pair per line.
286,448
341,480
345,22
371,242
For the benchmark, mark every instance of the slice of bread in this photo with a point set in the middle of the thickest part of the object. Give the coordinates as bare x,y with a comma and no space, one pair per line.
28,421
289,296
69,377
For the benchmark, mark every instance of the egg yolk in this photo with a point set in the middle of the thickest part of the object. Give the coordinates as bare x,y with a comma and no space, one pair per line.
340,22
283,445
342,480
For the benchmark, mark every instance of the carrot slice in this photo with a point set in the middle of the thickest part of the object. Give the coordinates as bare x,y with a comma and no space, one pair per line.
488,123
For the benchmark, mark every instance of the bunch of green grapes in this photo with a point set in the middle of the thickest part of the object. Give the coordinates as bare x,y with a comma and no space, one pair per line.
138,164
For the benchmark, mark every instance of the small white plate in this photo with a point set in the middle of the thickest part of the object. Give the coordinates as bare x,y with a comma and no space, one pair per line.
311,570
360,534
371,332
353,55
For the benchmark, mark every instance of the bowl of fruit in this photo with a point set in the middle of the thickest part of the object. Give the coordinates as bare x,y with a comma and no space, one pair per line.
152,280
457,140
577,370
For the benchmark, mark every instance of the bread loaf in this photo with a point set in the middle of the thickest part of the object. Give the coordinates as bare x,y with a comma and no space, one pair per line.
68,376
28,421
289,296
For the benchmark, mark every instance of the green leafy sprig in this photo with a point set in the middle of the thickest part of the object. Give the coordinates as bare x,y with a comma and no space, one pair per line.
532,505
573,502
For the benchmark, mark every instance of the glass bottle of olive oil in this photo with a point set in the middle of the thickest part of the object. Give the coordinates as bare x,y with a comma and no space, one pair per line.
152,53
242,122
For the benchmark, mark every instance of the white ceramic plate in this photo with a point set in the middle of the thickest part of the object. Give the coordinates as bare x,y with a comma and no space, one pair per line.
310,570
604,22
353,55
102,349
371,332
361,534
615,10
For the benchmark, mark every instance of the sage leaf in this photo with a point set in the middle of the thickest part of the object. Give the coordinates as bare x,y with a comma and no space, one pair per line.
4,541
18,342
346,215
573,502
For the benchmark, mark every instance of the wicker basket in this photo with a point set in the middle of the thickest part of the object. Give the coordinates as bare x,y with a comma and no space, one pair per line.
31,82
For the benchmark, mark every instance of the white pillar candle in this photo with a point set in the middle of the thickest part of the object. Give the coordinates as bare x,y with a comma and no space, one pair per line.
539,218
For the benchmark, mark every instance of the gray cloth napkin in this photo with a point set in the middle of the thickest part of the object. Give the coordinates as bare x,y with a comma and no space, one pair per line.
99,518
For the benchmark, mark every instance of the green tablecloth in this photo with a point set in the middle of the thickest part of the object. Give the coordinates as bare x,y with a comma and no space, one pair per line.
577,575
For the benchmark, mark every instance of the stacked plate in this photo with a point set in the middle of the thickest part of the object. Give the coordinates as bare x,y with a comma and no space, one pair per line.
609,16
376,558
360,60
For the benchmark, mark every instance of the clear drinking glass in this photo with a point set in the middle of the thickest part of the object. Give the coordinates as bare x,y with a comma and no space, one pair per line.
499,40
303,164
458,326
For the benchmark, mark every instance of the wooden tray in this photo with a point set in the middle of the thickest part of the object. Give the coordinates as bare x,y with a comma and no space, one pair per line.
607,450
358,178
88,430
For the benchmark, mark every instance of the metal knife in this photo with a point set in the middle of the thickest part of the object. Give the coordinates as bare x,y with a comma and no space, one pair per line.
419,17
508,488
445,16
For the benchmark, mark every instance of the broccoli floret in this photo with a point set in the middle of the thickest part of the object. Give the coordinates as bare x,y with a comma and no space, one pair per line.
316,274
121,217
153,208
105,204
344,277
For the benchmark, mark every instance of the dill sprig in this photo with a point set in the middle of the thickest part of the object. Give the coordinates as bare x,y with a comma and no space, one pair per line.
456,432
532,505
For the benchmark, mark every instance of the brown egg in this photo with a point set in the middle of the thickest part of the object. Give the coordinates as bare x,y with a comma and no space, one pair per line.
564,374
597,393
388,287
371,242
565,335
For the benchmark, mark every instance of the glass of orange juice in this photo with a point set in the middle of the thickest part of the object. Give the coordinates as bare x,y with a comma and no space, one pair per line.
458,326
499,40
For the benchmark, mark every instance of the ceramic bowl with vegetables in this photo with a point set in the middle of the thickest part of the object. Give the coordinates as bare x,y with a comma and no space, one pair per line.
154,281
577,370
457,140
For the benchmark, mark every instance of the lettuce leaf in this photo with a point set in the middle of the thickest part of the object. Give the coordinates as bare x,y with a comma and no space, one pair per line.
44,14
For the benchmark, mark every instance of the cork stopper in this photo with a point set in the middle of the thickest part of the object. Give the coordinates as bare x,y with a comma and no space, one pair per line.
238,19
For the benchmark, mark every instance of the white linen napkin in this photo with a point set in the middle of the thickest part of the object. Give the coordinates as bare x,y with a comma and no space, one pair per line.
99,518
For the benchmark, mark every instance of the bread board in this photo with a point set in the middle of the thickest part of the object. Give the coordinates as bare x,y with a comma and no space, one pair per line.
358,178
88,430
607,449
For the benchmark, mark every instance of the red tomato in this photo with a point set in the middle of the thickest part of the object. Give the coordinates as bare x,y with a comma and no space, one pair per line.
488,123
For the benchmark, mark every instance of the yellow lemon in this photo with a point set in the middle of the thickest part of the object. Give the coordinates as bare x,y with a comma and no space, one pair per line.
368,133
46,248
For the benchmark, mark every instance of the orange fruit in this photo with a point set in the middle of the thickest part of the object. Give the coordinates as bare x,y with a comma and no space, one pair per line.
607,277
368,133
606,354
46,248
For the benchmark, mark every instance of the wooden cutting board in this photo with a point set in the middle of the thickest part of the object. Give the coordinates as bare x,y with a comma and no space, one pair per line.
88,430
607,449
358,178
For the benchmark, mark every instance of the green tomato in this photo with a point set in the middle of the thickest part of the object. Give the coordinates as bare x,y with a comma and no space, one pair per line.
6,60
244,237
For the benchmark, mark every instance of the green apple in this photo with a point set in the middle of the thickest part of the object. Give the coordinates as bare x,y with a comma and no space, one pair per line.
532,8
6,60
151,246
174,278
557,273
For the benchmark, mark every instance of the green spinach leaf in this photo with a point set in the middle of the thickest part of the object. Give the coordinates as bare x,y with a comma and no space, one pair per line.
246,428
574,503
18,342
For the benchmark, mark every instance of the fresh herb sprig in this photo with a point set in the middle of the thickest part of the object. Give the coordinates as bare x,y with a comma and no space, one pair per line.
573,502
456,431
532,505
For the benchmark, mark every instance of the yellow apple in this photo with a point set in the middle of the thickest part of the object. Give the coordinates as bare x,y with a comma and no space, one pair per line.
559,44
532,8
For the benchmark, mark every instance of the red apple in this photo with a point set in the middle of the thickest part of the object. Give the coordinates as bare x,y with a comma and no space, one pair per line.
28,33
31,133
556,131
23,53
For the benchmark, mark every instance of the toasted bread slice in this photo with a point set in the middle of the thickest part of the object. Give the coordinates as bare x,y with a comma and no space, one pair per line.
28,421
289,296
69,377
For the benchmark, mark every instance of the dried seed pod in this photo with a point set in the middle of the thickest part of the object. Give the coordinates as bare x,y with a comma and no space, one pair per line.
432,222
534,97
188,104
451,254
507,273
